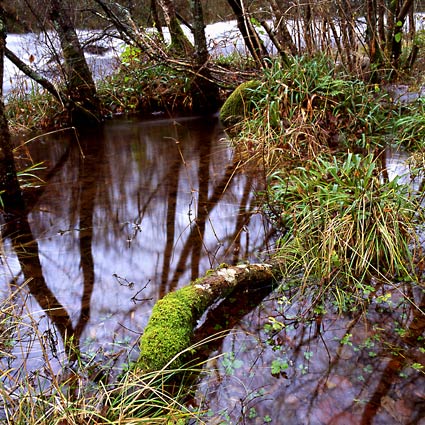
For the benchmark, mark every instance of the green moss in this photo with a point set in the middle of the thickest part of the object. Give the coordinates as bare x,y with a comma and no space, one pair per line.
170,329
240,103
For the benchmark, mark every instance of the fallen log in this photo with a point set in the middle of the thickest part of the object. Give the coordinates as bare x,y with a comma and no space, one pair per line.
174,317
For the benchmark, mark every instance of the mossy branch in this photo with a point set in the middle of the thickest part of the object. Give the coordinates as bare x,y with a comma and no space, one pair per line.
174,317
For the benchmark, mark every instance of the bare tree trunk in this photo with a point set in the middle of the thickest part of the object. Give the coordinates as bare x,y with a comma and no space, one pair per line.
402,11
155,18
180,44
308,30
282,33
205,93
250,36
375,52
381,21
80,84
10,192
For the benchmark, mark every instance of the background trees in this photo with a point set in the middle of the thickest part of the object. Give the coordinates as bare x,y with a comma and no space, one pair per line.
10,192
360,35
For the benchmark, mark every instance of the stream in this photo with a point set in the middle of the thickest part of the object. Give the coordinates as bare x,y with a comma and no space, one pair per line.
126,214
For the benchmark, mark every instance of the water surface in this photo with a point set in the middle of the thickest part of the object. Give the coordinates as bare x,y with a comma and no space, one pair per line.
127,214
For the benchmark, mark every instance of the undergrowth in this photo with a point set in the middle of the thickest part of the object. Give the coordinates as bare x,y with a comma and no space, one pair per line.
343,224
321,138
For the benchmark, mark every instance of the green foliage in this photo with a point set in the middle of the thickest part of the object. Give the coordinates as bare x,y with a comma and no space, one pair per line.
231,363
342,223
310,107
279,367
142,85
409,126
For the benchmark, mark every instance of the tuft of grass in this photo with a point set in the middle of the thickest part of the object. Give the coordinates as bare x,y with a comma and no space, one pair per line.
409,126
81,387
32,108
310,107
343,223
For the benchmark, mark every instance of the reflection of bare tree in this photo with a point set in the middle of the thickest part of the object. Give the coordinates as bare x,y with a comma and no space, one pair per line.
88,179
414,331
203,208
25,246
172,192
193,236
26,249
202,211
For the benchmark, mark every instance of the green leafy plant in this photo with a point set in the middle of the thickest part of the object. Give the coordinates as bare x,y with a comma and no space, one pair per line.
279,367
343,223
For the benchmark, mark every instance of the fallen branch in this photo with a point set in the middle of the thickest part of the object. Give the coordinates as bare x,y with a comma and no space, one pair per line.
174,317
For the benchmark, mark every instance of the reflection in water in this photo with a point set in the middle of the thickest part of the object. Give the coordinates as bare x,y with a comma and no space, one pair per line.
363,368
128,213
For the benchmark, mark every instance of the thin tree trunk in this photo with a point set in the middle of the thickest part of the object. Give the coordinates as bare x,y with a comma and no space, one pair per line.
80,84
155,18
250,36
180,44
31,73
282,33
308,30
205,93
402,12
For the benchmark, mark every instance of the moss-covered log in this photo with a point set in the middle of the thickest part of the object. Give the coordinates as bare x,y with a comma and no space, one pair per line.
174,317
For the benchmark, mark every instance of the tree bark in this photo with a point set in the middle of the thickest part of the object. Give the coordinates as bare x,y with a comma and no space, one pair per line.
85,108
250,36
283,36
11,200
205,92
180,44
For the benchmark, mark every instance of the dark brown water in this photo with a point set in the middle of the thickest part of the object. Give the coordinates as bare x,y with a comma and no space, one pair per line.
140,208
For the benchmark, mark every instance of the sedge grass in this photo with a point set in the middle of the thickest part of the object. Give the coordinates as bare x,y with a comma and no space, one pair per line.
309,108
343,225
